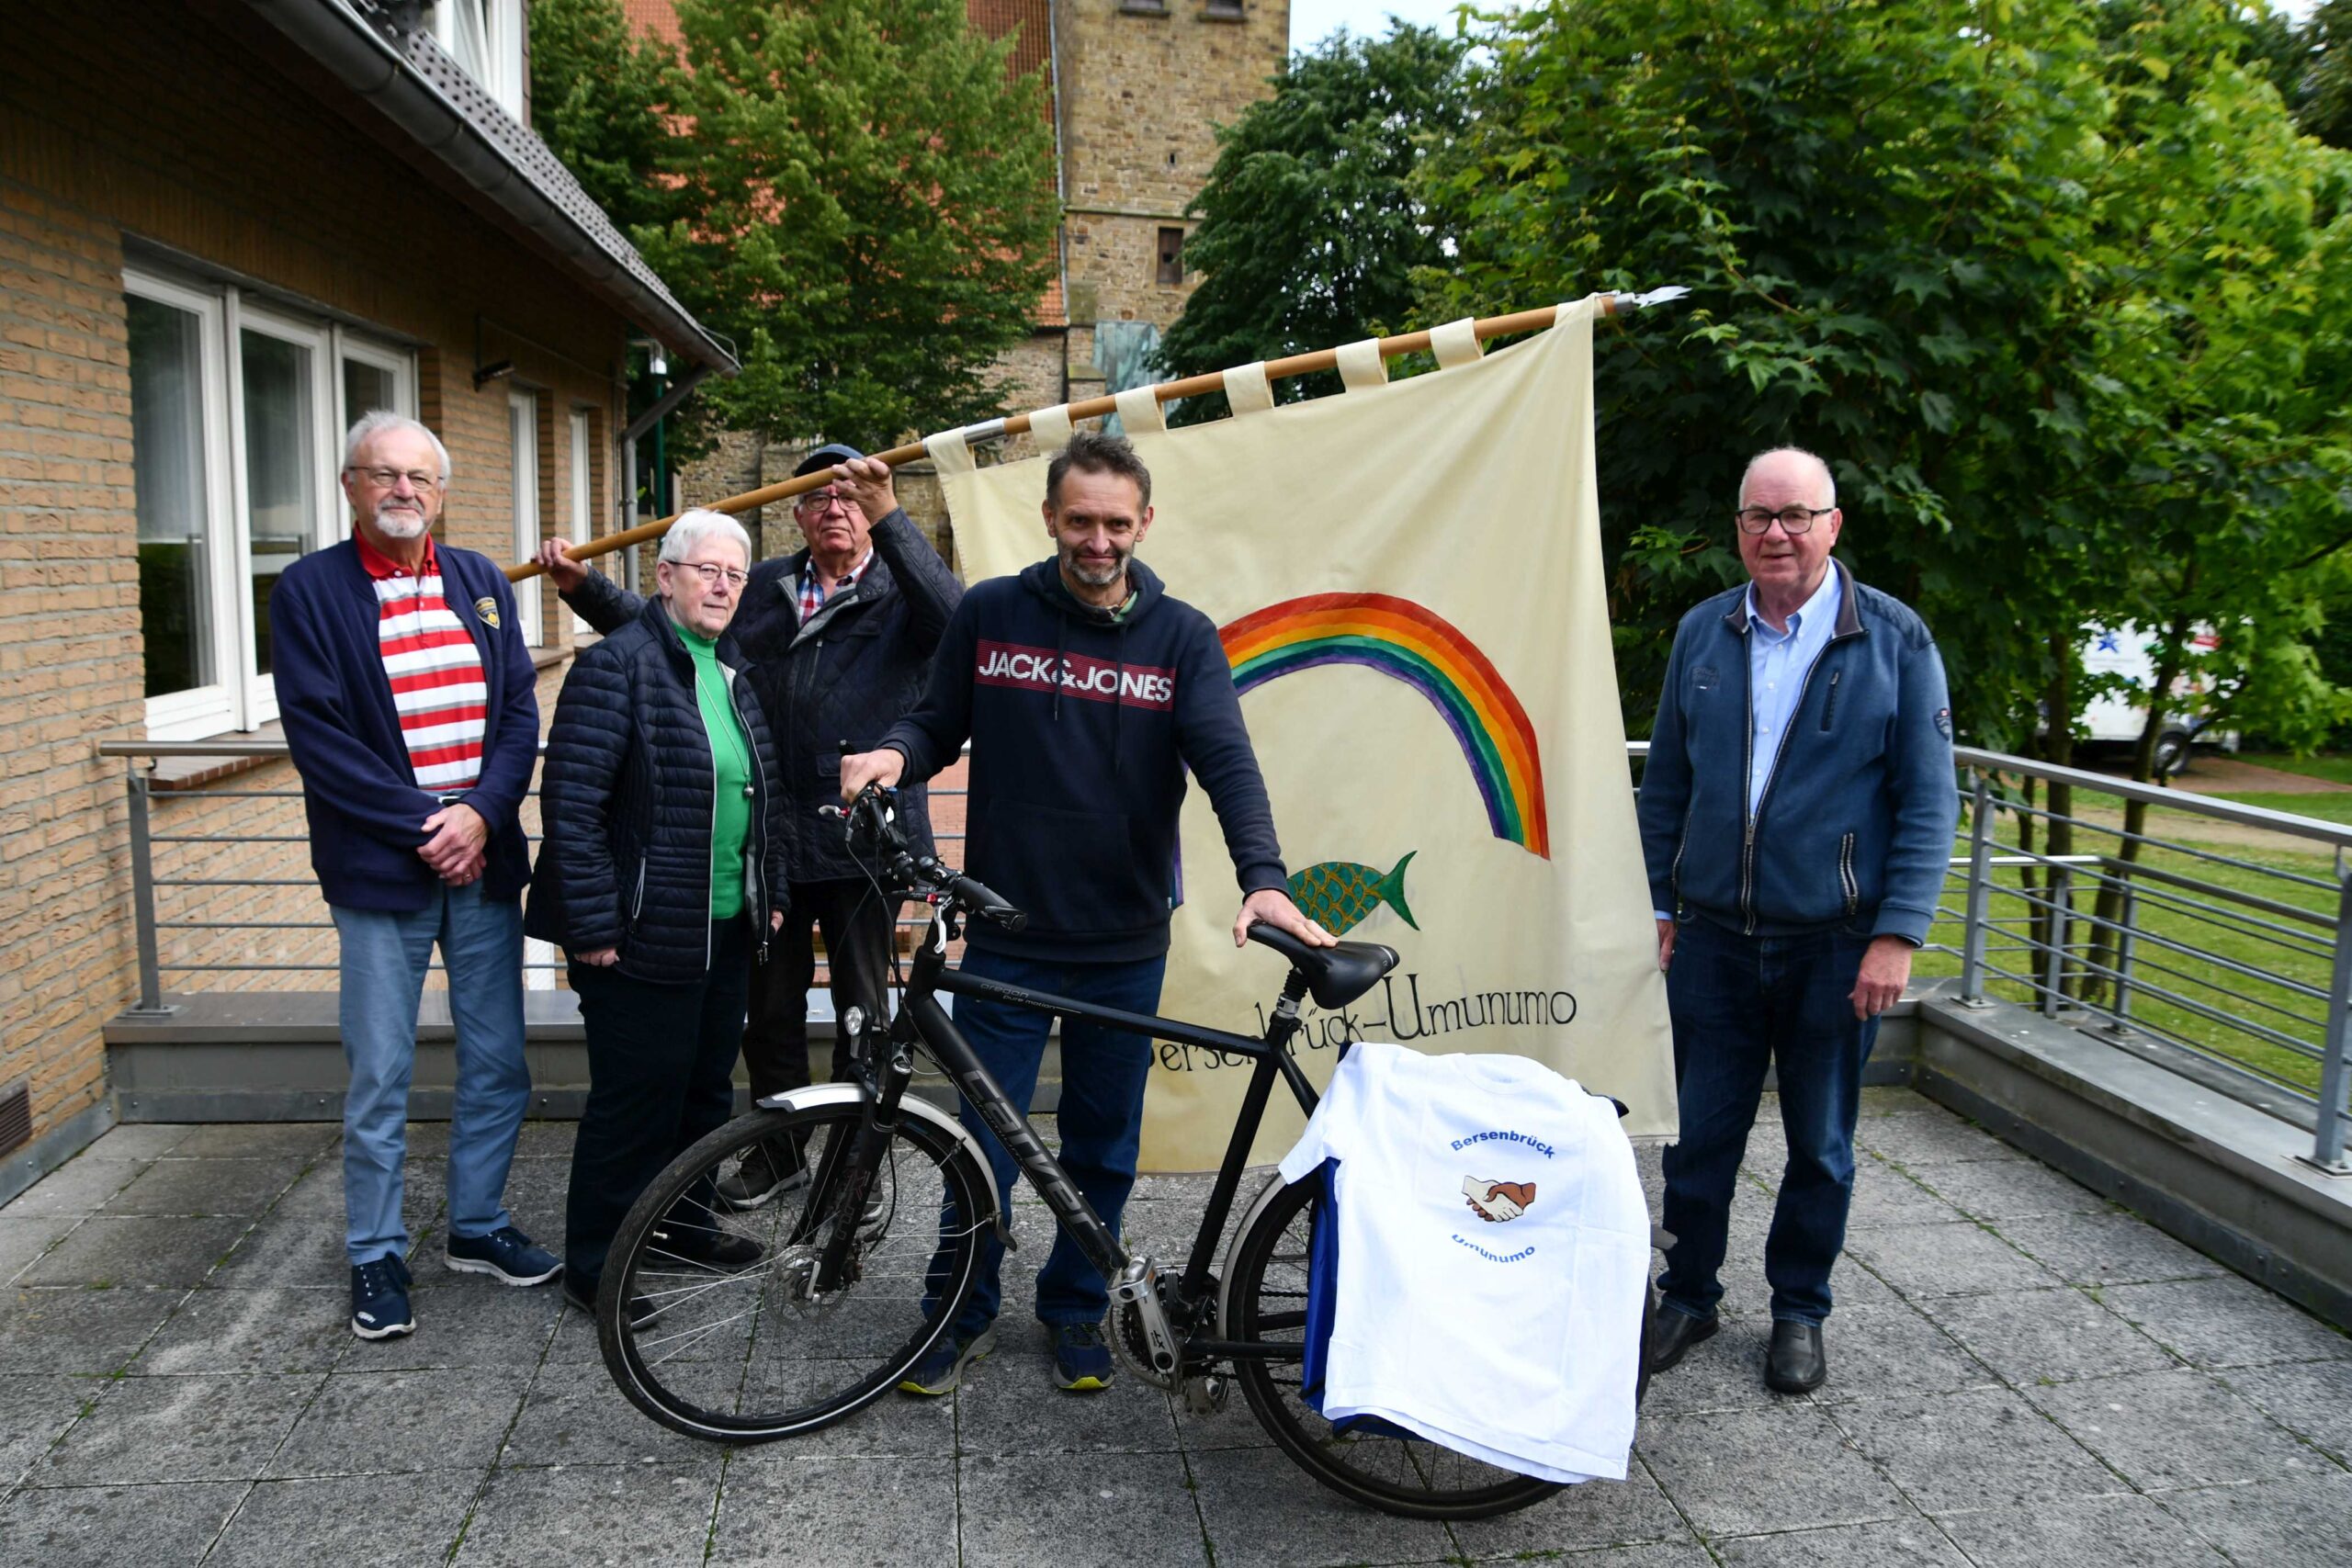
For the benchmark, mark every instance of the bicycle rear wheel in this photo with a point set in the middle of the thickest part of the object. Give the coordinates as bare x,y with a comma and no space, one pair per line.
1266,1302
742,1349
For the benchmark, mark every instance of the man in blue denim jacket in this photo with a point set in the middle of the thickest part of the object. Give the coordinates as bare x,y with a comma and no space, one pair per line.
1797,814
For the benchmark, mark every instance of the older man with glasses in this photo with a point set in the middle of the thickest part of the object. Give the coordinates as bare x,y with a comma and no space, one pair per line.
1797,812
408,702
841,635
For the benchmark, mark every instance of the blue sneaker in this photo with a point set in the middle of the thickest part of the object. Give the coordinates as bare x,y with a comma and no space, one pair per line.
1081,1358
941,1367
379,1299
506,1255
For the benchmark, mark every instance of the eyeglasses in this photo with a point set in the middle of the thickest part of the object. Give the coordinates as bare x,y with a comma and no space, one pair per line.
1792,519
711,574
819,499
385,478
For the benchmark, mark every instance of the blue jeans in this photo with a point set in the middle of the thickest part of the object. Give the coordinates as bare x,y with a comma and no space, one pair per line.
384,957
1741,1002
1103,1073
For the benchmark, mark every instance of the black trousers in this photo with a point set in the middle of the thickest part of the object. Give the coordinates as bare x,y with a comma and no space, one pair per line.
661,1076
858,928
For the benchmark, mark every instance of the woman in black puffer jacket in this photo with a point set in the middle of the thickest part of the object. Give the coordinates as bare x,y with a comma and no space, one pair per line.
660,874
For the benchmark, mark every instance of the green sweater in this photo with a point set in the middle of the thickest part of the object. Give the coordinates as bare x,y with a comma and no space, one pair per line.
730,749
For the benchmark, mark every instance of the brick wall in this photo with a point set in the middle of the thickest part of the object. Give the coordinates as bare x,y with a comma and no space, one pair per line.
105,150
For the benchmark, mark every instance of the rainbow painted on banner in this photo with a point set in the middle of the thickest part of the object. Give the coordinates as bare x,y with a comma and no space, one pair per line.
1400,638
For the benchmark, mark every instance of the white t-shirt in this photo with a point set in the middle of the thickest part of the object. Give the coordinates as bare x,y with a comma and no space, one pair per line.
1494,1251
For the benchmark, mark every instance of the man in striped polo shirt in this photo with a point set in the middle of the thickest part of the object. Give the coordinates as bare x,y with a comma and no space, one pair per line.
409,705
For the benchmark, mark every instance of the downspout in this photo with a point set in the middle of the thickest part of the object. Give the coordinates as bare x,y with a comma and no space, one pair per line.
1061,179
662,408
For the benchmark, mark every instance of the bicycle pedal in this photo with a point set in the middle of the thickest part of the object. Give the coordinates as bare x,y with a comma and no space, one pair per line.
1204,1393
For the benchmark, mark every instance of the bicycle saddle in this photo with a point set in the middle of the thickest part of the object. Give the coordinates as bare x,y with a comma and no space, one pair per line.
1335,976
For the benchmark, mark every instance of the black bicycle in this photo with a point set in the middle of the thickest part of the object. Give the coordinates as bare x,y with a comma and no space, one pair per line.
865,1261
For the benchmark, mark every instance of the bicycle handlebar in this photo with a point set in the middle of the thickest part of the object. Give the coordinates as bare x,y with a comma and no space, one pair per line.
873,817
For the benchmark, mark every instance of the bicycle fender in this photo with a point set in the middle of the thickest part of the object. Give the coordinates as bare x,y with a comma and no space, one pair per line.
912,1105
1274,1186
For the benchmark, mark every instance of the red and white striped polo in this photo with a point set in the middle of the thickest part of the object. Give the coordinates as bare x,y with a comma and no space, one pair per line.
435,670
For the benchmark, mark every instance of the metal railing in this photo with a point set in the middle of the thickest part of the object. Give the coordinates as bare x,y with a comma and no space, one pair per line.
2230,968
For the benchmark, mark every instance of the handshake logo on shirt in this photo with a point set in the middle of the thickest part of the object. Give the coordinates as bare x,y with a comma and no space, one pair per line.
1496,1200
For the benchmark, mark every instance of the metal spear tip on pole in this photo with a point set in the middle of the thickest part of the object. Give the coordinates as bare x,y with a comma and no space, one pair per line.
1666,296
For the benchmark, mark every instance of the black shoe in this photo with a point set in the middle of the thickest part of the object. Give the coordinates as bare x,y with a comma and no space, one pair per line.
379,1307
1672,1334
641,1310
713,1248
767,1172
1796,1364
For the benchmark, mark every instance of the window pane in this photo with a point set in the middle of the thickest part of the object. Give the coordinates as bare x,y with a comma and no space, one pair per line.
366,389
281,489
167,466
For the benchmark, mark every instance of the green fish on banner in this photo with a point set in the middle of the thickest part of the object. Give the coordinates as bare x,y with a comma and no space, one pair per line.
1338,894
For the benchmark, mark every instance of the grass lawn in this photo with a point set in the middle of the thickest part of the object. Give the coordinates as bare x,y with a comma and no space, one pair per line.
2335,770
2228,932
2328,807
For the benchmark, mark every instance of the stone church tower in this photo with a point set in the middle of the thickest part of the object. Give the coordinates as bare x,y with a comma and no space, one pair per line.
1138,89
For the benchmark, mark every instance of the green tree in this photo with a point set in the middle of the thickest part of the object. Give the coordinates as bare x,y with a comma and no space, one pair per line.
597,96
2324,98
865,203
1309,228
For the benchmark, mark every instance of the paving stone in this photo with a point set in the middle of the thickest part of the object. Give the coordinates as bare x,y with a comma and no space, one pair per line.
895,1425
791,1507
535,1191
1010,1408
107,1527
1926,1261
245,1187
249,1331
71,1330
2305,1523
1235,1426
289,1251
575,1416
81,1186
1746,1472
2312,1398
471,1320
1597,1514
24,1237
1260,1510
1983,1449
1914,1542
401,1421
537,1140
138,1140
1746,1292
2056,1336
37,1409
2181,1428
178,1429
1894,1100
1884,1196
257,1140
1037,1509
106,1251
2226,1322
348,1519
2011,1190
1878,1351
2107,1249
645,1514
1919,1139
2080,1532
1725,1372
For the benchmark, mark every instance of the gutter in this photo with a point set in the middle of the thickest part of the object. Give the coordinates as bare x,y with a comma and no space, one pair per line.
362,60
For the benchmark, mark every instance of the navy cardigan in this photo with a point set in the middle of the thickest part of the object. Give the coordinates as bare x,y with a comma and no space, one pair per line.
367,814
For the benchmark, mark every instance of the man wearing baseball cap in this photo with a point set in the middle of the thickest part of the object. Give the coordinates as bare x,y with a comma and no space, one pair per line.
840,635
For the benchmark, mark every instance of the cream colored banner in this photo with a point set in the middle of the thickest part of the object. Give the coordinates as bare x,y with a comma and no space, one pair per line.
1409,580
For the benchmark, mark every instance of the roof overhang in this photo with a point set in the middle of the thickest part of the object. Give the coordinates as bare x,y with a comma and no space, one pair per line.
445,123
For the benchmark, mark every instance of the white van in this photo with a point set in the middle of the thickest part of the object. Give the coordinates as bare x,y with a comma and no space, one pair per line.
2117,717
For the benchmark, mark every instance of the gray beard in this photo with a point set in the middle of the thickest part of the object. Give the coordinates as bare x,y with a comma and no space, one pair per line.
1098,577
400,525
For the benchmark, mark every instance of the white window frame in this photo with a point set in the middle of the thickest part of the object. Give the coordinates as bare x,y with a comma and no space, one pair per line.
501,73
204,710
523,434
580,459
242,698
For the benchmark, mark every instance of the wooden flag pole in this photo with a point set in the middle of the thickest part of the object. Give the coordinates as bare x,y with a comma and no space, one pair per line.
1093,407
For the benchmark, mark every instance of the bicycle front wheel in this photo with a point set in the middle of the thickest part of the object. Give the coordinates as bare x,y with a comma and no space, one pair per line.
1266,1302
709,1315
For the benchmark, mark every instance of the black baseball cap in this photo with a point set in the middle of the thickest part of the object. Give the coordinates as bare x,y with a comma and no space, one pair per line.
825,456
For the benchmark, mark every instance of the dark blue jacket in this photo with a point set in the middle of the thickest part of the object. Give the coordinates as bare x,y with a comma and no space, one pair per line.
625,806
1854,828
847,675
1083,727
367,814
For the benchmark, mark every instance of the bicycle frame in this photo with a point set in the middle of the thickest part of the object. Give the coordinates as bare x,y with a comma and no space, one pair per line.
921,1015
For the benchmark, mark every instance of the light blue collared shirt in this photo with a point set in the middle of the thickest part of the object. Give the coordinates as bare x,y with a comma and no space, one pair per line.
1778,663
